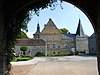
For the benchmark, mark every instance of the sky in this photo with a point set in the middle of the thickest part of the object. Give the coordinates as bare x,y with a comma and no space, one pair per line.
68,18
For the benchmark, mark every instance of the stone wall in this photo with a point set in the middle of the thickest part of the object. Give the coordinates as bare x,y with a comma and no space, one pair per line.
92,44
54,51
32,50
82,44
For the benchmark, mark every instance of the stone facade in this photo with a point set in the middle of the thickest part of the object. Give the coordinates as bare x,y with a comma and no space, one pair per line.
33,45
92,44
53,39
78,41
82,43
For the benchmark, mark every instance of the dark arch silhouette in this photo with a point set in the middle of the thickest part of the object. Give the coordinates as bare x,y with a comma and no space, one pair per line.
13,8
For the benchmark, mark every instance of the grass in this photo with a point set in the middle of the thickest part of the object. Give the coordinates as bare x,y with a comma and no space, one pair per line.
25,58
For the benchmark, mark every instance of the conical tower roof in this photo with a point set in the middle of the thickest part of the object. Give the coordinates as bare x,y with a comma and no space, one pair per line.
37,33
50,28
80,31
38,29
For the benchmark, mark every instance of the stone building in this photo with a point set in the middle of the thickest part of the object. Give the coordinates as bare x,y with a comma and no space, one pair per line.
81,39
92,44
33,45
51,41
78,41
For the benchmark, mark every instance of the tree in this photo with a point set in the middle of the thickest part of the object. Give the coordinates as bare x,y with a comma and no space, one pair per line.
19,21
23,48
22,35
64,30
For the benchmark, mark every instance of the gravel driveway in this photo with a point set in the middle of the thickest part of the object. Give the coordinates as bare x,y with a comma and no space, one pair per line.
67,65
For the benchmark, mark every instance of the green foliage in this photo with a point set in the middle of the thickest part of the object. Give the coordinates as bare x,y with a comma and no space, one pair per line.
79,51
22,35
23,48
19,21
24,59
65,54
39,54
64,31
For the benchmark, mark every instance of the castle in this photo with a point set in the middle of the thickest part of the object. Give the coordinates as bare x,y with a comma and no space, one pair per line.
51,41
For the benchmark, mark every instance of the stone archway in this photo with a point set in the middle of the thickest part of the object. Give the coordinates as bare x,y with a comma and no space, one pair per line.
9,9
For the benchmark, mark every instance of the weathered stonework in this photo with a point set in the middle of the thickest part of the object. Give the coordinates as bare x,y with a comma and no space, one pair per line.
82,43
92,44
33,45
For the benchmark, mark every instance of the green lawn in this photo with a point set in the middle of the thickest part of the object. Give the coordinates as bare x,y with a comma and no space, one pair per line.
22,59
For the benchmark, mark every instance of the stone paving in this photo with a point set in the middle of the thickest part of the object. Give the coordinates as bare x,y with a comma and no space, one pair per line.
68,65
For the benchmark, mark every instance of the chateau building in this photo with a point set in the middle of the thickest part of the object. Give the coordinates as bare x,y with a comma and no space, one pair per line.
51,41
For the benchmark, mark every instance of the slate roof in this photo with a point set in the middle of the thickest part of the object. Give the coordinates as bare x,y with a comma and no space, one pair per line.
65,36
93,35
30,42
80,31
38,29
70,35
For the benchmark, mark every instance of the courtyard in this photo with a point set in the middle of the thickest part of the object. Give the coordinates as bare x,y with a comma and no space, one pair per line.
65,65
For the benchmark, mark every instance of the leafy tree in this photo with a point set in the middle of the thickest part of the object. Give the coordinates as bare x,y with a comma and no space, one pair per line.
19,21
22,35
64,30
23,48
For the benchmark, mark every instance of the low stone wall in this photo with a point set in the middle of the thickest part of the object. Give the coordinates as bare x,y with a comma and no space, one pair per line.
56,51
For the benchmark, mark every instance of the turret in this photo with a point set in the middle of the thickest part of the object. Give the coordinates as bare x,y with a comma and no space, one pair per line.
37,33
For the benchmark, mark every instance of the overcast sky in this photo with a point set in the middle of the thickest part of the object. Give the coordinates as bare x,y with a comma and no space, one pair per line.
68,18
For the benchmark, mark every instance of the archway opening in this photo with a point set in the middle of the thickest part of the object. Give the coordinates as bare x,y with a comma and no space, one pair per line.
58,18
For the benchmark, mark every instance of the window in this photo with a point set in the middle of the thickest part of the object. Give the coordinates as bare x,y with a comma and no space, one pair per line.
58,46
65,46
58,52
21,52
48,45
54,45
54,52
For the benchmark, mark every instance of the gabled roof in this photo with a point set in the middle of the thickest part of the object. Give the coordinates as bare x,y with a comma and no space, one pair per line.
80,31
30,42
50,28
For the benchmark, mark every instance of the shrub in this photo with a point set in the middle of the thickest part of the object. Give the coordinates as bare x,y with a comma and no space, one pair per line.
76,52
39,54
66,54
81,51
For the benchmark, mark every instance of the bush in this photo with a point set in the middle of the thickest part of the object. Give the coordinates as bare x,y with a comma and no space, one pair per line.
76,52
39,54
66,54
81,51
